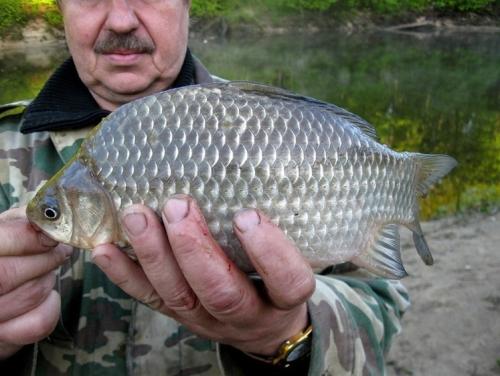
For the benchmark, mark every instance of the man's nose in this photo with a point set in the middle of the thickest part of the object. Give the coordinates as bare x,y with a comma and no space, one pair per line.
121,17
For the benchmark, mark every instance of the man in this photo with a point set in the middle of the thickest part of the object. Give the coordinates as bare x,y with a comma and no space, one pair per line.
183,307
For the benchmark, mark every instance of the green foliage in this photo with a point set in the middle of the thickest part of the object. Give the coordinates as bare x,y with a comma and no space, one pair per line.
47,9
210,8
53,18
14,14
462,5
11,13
223,7
307,4
382,6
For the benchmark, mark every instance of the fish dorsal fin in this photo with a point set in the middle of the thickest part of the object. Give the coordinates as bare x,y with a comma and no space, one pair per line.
276,92
384,256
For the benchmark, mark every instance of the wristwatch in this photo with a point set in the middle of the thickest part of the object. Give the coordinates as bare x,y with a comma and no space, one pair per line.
292,349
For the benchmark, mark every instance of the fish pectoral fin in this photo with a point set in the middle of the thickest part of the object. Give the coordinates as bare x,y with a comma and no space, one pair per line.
384,257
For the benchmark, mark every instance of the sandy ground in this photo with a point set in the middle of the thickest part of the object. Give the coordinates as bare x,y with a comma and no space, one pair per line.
453,326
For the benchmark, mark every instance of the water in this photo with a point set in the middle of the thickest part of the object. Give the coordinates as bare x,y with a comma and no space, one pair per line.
427,93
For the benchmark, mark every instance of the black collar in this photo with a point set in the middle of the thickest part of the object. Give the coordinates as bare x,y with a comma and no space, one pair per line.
66,103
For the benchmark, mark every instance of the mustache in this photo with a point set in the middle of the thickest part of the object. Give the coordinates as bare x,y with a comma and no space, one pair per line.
130,42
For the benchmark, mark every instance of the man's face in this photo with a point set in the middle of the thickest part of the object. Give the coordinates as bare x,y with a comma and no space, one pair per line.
125,49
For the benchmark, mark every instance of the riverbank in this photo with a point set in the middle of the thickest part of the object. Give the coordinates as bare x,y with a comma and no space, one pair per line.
38,32
349,21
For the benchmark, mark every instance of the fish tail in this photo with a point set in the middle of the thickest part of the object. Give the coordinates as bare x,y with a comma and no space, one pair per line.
432,168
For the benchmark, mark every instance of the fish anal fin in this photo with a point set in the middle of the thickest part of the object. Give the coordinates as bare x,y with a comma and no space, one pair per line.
420,244
384,257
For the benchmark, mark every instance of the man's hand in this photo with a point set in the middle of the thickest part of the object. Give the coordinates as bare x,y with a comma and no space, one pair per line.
183,273
29,308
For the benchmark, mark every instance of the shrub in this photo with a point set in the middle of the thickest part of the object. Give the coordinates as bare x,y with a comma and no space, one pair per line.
462,5
11,14
209,8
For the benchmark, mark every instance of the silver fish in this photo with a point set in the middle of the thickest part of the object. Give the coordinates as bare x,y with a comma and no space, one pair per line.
314,168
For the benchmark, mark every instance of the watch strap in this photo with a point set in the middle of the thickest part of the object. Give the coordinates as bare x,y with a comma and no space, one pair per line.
281,357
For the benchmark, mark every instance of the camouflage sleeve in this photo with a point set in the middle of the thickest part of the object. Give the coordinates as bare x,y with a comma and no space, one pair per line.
4,202
355,319
9,120
26,161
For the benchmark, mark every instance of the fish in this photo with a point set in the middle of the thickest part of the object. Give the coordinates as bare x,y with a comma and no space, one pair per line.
317,170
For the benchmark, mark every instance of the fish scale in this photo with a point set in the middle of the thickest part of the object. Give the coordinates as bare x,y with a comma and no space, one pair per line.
264,188
315,169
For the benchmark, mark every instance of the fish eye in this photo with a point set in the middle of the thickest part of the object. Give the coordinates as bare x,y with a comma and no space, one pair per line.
51,213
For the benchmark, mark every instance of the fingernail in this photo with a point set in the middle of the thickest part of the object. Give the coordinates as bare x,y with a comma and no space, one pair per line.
135,223
46,241
101,261
175,210
246,219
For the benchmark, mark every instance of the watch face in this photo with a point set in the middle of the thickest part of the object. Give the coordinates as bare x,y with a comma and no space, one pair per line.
299,351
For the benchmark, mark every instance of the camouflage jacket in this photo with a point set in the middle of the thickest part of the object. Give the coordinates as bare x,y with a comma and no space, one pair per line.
102,331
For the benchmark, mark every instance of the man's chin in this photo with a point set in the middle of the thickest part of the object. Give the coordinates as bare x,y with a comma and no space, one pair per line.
130,90
109,96
119,88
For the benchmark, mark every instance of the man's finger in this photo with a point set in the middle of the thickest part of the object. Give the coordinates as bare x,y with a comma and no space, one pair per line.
126,274
223,289
288,277
147,235
26,297
16,270
14,213
33,325
19,237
